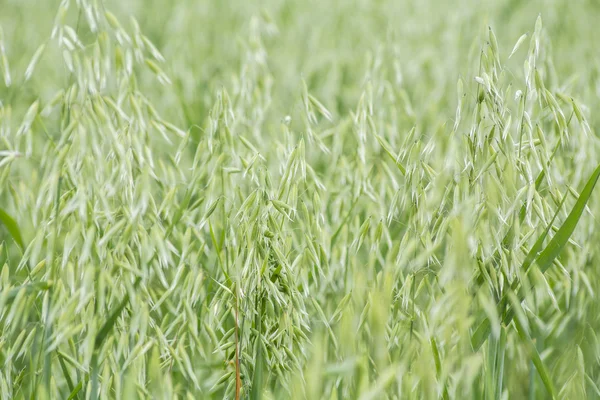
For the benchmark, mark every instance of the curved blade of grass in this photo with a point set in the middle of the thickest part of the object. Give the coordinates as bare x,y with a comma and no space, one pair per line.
12,227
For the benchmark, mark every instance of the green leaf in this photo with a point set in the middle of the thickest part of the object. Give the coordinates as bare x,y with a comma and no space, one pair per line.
110,322
257,379
481,334
75,392
12,227
561,237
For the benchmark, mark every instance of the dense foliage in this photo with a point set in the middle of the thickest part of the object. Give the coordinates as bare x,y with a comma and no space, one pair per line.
343,199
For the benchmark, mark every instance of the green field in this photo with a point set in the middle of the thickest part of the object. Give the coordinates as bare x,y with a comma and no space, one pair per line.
270,199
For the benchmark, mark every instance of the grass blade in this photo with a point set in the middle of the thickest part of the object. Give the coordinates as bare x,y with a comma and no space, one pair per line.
257,379
560,239
110,322
65,372
75,392
12,227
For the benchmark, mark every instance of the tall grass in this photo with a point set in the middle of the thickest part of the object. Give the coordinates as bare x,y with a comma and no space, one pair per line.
345,200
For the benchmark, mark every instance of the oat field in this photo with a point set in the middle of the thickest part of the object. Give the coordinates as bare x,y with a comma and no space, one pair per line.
269,199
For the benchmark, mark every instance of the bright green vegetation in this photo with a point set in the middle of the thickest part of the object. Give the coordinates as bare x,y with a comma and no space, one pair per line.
277,199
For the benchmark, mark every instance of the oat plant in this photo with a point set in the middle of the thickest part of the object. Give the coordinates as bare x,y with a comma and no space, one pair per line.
306,200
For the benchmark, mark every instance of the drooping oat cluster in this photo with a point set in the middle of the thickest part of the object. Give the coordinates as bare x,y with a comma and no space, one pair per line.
366,200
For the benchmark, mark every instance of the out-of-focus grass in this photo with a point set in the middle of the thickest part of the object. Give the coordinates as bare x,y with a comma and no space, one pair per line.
284,199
